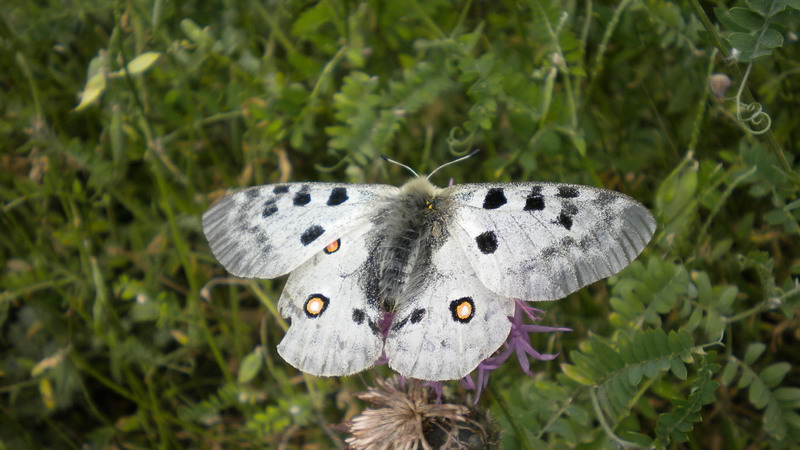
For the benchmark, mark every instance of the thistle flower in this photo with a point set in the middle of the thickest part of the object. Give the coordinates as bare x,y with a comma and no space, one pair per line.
518,342
406,419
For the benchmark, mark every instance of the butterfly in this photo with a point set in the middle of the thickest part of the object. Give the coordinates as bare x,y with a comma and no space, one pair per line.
425,276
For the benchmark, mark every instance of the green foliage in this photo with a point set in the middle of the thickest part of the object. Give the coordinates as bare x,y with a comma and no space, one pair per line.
765,391
123,121
757,26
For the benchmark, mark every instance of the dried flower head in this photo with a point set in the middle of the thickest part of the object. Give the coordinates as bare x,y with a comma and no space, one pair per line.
405,418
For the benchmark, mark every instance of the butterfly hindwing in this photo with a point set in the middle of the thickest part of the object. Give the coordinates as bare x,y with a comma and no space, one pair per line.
334,328
267,231
543,241
448,322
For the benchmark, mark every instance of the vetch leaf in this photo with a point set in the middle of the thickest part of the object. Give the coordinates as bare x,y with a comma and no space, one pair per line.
746,18
771,39
577,374
743,42
758,394
773,374
678,368
753,352
729,373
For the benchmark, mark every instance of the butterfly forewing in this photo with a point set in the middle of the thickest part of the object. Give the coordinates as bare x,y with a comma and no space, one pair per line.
268,231
543,241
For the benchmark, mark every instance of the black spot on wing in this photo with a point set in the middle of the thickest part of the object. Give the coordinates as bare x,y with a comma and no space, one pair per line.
311,234
417,315
568,211
494,199
252,193
301,199
567,192
358,316
269,209
534,201
568,243
564,220
280,189
400,324
487,242
338,196
605,198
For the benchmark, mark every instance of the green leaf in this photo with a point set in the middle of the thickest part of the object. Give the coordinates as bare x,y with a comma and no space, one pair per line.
92,91
675,344
729,373
577,374
678,368
753,352
311,19
743,42
141,63
196,34
251,365
758,394
773,374
763,7
787,394
606,355
771,39
746,18
745,380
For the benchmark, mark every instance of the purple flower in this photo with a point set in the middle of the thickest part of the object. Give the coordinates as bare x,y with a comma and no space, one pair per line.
518,342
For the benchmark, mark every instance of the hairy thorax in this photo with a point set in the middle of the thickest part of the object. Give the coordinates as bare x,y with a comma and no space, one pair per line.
411,231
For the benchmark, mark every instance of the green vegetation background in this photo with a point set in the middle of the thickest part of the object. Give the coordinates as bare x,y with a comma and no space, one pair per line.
122,121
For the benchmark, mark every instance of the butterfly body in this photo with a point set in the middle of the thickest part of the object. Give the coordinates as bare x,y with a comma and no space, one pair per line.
426,276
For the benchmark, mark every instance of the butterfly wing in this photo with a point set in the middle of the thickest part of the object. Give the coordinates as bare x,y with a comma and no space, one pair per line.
543,241
334,327
448,322
267,231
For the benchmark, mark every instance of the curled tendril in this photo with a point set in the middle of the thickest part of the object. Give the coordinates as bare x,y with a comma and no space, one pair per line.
455,141
753,114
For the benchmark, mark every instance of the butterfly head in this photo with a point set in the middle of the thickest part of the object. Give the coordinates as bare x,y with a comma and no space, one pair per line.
420,192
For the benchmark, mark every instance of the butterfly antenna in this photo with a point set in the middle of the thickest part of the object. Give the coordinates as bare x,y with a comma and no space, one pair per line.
470,155
387,159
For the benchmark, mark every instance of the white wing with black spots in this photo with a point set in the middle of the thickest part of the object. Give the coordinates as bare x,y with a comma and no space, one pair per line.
267,231
334,322
543,241
447,324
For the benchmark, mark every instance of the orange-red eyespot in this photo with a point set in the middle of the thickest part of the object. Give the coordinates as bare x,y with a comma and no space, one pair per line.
316,304
333,246
463,309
